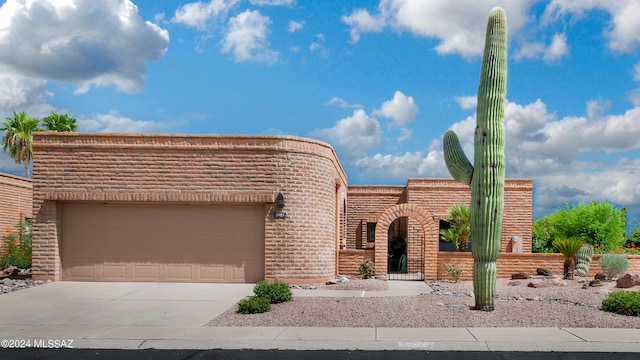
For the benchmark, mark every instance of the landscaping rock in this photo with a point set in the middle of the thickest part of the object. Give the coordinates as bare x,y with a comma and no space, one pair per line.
547,283
600,276
628,280
519,275
595,283
514,283
11,270
544,272
7,282
532,297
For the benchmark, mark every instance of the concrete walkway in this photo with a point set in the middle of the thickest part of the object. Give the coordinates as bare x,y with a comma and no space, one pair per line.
174,316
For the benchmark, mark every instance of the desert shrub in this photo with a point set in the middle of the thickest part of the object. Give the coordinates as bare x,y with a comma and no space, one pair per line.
453,270
275,291
254,305
623,303
613,264
600,224
17,251
367,269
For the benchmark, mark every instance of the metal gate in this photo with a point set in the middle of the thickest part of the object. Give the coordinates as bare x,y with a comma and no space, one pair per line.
407,264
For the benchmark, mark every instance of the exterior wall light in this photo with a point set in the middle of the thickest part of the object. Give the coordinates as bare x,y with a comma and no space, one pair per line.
280,201
279,214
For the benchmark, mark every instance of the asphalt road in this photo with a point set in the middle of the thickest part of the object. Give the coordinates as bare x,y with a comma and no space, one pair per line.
64,354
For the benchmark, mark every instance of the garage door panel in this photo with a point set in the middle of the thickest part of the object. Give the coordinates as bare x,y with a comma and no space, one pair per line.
109,242
113,271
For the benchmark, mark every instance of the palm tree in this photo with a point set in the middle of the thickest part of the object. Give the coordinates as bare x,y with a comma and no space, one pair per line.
60,122
460,227
569,248
18,139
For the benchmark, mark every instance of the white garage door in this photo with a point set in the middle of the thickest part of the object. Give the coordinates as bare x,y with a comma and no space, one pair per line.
114,242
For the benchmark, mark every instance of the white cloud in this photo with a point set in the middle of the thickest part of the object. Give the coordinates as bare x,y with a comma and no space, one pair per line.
272,2
113,122
295,25
459,26
199,14
343,104
547,149
20,93
401,109
247,38
85,42
405,134
555,50
361,21
416,164
355,134
467,102
636,72
623,31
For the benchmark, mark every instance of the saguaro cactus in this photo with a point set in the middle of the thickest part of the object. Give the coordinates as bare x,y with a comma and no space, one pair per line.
486,175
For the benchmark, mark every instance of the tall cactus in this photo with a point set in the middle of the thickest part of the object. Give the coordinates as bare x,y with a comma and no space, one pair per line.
583,261
486,175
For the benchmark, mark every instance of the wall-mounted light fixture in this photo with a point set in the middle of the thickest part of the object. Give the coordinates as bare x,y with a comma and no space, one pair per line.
280,201
279,214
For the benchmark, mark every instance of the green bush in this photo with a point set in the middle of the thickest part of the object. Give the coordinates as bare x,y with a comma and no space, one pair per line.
367,269
17,250
276,291
453,270
613,264
254,305
623,303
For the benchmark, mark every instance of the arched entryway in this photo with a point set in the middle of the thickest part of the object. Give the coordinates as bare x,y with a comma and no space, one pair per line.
429,229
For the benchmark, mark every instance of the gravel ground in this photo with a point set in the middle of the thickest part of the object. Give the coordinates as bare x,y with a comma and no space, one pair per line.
516,305
10,285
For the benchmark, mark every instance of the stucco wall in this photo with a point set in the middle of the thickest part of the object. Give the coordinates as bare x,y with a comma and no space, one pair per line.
215,169
16,193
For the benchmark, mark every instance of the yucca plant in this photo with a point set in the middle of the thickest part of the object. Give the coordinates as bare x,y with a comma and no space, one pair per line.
569,248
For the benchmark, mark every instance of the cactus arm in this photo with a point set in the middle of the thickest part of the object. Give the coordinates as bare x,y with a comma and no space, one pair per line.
457,163
487,186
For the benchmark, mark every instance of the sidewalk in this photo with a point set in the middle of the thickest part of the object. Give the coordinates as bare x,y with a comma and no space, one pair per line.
173,316
428,339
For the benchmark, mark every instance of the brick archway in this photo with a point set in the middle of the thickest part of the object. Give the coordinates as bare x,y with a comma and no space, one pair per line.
429,229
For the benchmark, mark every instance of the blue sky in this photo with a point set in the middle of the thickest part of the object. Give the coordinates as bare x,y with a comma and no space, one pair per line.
379,80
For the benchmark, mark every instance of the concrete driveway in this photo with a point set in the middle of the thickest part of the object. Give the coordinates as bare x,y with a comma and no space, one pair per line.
85,310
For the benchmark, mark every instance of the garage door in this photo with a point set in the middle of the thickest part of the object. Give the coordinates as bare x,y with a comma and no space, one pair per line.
110,242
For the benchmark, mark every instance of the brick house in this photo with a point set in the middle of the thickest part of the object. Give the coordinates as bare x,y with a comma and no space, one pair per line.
16,194
231,208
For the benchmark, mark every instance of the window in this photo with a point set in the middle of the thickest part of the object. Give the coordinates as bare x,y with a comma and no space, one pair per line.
371,232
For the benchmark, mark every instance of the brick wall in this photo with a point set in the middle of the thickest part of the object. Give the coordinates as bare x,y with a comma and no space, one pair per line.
16,194
367,202
214,169
510,263
438,195
350,261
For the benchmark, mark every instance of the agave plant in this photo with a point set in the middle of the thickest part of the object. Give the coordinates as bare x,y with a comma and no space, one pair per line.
569,248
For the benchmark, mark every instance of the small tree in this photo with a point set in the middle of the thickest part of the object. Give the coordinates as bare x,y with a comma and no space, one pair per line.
459,227
597,223
568,247
18,138
60,123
